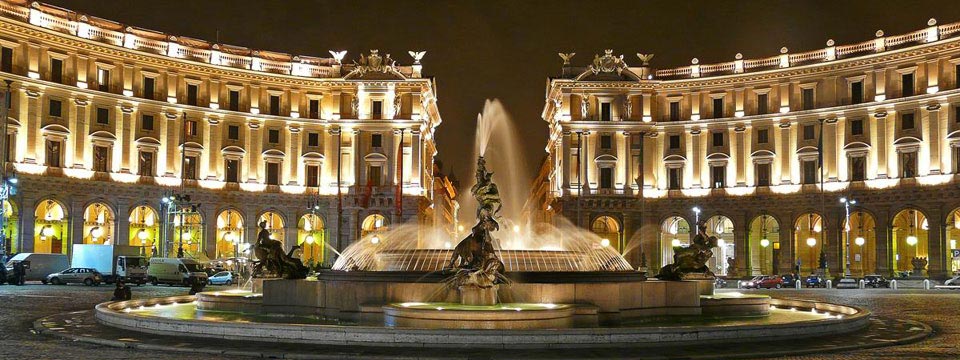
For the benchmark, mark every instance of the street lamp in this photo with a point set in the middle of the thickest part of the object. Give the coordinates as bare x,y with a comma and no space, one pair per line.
860,241
696,222
764,243
846,206
811,242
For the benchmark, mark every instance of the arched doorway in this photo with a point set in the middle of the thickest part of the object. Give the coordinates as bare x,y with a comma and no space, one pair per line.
144,230
674,232
373,223
910,229
312,237
274,225
953,235
188,234
230,239
50,228
721,227
11,231
808,242
98,224
764,241
863,243
608,229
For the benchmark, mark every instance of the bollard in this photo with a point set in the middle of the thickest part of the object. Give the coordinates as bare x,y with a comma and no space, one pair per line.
926,284
797,284
829,284
893,284
862,284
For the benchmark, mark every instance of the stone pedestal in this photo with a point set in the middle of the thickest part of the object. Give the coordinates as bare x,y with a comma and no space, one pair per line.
705,283
475,295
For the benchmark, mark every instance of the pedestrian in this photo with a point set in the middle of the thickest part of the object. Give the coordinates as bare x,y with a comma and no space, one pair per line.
196,286
121,292
21,279
3,274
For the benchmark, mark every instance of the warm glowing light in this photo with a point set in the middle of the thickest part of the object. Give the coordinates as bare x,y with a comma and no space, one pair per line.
308,239
605,242
230,237
460,228
447,245
375,239
96,232
675,242
128,93
911,240
764,242
47,231
860,241
33,75
811,241
187,235
516,228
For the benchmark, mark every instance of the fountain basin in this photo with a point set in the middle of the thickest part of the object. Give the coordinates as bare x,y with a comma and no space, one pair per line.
457,316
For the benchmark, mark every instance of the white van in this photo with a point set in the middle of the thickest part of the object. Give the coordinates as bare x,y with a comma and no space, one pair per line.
175,271
40,265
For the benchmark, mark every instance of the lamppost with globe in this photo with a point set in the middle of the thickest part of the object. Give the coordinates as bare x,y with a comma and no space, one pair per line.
811,242
696,221
860,241
846,206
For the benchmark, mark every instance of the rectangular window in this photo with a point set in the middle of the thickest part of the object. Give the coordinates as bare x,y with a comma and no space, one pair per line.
273,136
56,108
856,127
273,173
274,104
192,128
856,92
234,100
763,136
809,132
674,142
907,84
377,109
808,100
53,153
145,167
763,174
56,71
103,116
717,108
605,112
906,121
101,158
374,175
376,140
149,88
103,79
674,111
232,170
313,176
313,139
675,178
193,92
858,168
314,109
762,103
718,139
606,178
233,132
6,60
190,164
146,123
606,142
810,172
718,175
908,164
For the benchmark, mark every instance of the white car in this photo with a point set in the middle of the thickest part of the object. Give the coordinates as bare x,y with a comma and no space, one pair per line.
223,278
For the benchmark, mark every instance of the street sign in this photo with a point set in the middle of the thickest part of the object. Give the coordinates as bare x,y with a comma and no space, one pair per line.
955,253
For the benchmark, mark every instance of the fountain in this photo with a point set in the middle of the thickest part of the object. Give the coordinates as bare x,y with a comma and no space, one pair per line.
502,285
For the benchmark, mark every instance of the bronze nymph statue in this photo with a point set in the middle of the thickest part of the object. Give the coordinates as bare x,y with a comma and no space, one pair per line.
691,259
272,261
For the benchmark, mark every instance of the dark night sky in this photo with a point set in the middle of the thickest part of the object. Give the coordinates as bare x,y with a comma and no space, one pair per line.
507,49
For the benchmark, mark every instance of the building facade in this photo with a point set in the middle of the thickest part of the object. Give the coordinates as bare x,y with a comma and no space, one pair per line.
106,120
765,149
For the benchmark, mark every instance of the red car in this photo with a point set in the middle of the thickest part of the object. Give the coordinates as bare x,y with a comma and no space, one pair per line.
763,282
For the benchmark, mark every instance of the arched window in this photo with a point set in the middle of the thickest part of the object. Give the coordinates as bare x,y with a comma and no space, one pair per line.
51,229
674,232
230,236
144,229
373,223
98,224
311,236
764,243
274,225
608,229
910,228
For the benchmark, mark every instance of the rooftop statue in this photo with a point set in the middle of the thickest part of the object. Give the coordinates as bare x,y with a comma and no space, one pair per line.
691,259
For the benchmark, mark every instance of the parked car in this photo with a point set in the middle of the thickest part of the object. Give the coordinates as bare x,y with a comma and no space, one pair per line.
789,280
875,281
764,282
815,281
38,265
954,281
86,276
224,278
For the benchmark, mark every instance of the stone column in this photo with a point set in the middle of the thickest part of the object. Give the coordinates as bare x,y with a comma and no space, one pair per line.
931,131
741,245
936,246
787,253
171,142
125,139
27,234
883,248
416,160
122,223
695,156
393,161
80,130
785,154
628,164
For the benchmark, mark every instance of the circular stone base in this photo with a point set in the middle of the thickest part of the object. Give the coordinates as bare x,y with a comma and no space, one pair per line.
230,300
456,316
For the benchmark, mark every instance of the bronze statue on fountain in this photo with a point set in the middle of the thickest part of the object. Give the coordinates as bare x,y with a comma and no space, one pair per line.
478,269
272,261
691,260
